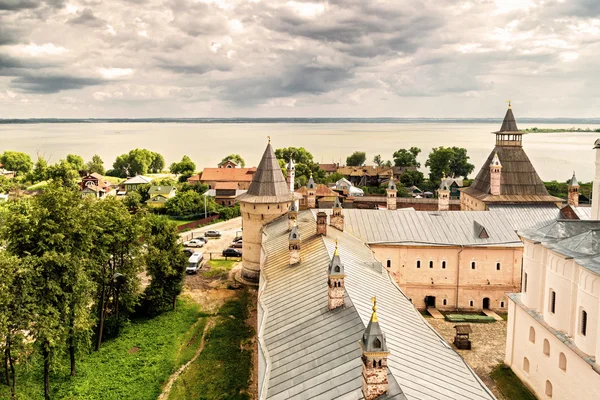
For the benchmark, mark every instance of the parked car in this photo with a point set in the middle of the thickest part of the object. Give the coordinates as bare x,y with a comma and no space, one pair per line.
232,253
238,239
236,245
215,234
188,252
194,263
194,243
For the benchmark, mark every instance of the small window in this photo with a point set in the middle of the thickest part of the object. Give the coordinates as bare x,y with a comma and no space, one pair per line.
419,264
389,263
497,266
470,303
552,299
443,264
546,347
430,264
549,389
531,334
583,329
472,264
444,301
525,364
562,362
525,282
501,304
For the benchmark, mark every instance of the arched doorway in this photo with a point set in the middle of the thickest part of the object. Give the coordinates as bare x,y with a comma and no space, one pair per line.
486,303
430,301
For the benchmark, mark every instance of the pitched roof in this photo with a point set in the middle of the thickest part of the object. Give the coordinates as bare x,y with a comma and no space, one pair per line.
227,174
138,179
369,170
307,351
226,185
322,191
329,167
161,189
268,184
525,216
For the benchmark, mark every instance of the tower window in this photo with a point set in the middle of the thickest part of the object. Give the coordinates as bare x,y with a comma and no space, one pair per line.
418,263
472,264
552,299
531,334
470,303
549,389
501,304
389,263
443,264
497,266
546,347
444,301
583,329
430,264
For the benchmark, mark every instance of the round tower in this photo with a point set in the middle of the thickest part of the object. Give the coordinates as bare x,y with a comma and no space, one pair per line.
291,173
444,195
267,198
573,189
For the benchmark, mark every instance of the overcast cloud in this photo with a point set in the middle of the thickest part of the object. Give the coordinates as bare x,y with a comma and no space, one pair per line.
346,58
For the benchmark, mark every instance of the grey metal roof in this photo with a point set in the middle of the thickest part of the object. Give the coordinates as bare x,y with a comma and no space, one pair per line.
525,216
583,212
415,228
309,352
138,179
573,181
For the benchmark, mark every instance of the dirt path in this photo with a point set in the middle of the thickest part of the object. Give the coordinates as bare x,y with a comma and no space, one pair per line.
165,393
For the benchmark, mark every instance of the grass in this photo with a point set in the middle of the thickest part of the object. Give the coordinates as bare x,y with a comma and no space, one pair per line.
132,366
181,221
222,371
113,179
38,185
219,268
509,385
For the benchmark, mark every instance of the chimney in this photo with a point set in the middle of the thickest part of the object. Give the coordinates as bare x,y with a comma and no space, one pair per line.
322,223
495,174
596,184
311,192
573,189
443,195
294,245
337,218
335,281
374,357
392,193
292,215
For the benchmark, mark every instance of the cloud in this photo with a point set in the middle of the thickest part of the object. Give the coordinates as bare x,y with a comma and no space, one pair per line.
86,17
13,5
115,73
45,84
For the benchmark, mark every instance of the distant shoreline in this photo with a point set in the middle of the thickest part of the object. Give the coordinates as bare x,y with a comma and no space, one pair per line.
559,121
559,130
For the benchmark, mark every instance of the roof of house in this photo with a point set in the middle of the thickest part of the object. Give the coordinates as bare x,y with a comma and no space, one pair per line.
307,351
268,184
226,185
369,170
213,193
227,174
138,179
322,191
430,228
343,181
158,199
329,167
161,189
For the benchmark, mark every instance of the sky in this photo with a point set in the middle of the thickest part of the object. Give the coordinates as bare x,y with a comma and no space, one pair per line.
337,58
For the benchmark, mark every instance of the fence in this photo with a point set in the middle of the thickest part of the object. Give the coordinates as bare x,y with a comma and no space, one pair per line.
197,223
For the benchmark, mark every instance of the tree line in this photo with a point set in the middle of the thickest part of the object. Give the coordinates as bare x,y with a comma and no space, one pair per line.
71,271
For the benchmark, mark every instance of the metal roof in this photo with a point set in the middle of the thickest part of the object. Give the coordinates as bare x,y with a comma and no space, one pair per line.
138,179
525,216
309,352
427,228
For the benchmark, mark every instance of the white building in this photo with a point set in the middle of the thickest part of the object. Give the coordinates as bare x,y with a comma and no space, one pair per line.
553,341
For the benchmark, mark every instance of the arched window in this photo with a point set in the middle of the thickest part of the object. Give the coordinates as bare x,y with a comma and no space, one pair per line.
562,362
418,263
443,264
497,266
501,304
389,263
472,264
525,364
444,301
470,303
377,343
379,363
583,324
337,268
548,389
552,301
430,264
547,347
374,364
531,334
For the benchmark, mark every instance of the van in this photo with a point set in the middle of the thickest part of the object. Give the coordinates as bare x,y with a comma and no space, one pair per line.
194,263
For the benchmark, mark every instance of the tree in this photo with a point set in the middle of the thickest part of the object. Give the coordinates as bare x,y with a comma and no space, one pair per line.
299,154
407,158
76,162
185,166
304,164
451,161
334,177
137,162
357,159
377,160
16,161
411,178
165,263
157,164
236,158
63,174
189,203
96,165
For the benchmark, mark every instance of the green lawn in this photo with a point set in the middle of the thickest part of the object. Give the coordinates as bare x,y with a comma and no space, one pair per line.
133,366
509,385
181,221
38,185
222,371
219,268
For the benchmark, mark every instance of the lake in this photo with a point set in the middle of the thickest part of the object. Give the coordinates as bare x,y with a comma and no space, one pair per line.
554,155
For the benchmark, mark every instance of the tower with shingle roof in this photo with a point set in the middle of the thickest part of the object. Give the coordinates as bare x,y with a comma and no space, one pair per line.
311,193
267,198
374,358
444,195
335,281
392,194
573,189
294,245
337,217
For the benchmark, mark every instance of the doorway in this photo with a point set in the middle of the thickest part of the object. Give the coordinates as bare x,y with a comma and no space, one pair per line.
430,301
486,303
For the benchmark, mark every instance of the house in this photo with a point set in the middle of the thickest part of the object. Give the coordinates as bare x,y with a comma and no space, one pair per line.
507,177
454,185
329,168
415,191
399,171
134,183
227,164
94,185
333,324
227,173
367,175
6,173
225,193
313,194
159,195
348,189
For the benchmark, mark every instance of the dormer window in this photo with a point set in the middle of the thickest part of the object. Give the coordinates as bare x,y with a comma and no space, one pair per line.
377,343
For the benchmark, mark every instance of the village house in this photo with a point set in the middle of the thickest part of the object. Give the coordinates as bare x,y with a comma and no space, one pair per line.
225,193
159,195
133,183
227,173
367,175
329,168
346,187
94,185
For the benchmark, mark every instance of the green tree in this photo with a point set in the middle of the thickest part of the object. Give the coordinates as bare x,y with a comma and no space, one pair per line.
76,162
189,203
407,158
304,165
411,178
186,165
451,161
16,161
236,158
165,263
39,172
356,159
157,164
377,160
63,174
137,162
299,154
96,165
334,177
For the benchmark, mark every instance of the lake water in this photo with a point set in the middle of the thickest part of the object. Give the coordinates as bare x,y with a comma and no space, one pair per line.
554,155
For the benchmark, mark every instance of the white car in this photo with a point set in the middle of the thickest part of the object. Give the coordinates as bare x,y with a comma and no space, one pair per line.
194,263
194,243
